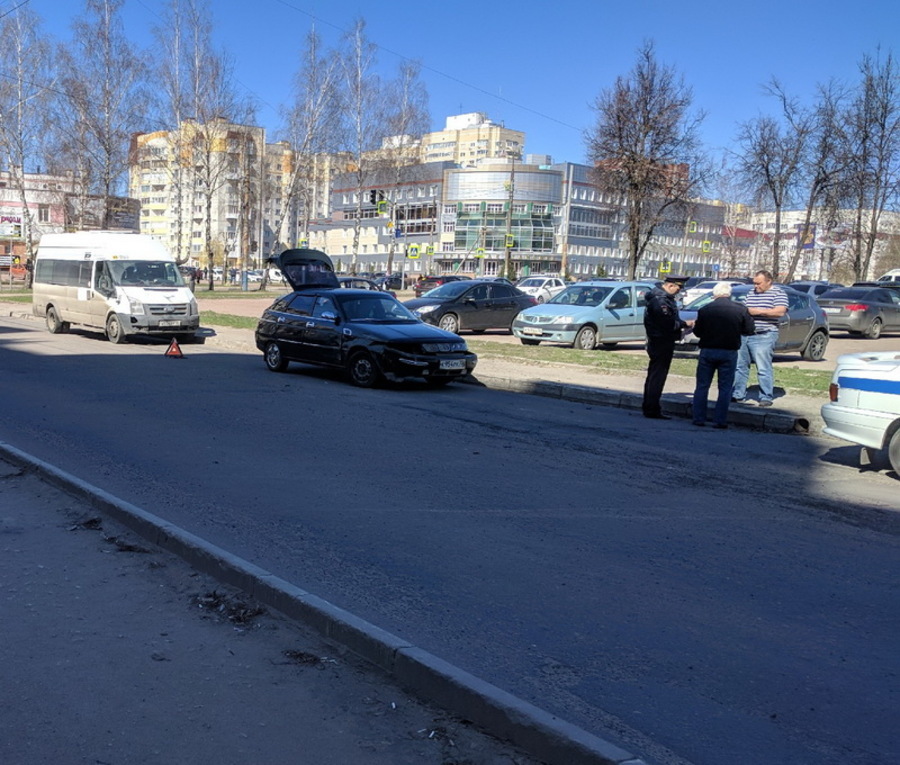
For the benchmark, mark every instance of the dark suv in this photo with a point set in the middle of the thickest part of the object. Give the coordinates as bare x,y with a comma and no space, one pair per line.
367,333
430,282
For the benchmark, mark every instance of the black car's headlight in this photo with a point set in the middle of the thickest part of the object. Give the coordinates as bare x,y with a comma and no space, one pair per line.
445,347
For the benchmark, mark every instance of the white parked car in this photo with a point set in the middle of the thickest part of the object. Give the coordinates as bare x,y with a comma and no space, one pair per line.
541,288
865,402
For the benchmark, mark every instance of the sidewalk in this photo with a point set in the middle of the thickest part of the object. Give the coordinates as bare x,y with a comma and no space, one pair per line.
115,651
130,640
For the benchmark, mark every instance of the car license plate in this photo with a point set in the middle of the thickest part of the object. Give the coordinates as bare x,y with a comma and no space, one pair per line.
170,324
532,331
453,364
830,309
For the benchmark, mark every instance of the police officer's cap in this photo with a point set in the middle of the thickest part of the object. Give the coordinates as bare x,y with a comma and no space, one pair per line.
679,280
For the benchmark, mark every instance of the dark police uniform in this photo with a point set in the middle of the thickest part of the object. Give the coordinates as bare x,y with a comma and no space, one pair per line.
664,328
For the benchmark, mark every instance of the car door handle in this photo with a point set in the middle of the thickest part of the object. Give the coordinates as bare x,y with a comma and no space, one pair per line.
280,320
310,324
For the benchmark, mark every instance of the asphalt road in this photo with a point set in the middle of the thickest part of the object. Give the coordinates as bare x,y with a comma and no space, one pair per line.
696,596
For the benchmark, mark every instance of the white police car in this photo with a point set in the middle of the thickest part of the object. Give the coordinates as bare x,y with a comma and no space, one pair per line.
865,402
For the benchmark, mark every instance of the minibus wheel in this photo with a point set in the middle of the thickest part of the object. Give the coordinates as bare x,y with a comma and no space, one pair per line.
54,324
114,332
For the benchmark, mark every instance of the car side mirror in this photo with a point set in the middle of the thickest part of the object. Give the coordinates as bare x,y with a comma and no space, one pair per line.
331,316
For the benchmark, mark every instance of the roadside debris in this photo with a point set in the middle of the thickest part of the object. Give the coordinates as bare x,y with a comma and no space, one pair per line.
234,610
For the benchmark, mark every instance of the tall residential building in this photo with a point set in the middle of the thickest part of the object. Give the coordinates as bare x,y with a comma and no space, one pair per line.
201,186
467,138
297,194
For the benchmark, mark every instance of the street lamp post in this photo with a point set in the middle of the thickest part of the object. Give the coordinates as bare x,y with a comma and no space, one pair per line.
507,242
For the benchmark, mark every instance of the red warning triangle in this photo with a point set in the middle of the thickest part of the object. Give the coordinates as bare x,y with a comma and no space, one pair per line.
174,351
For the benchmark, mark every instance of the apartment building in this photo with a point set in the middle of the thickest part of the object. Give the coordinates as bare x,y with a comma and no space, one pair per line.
468,138
201,186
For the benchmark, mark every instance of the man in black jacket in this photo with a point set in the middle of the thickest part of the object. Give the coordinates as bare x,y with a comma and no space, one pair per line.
664,328
720,326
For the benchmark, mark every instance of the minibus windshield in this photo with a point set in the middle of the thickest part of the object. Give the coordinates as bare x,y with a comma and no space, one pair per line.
145,273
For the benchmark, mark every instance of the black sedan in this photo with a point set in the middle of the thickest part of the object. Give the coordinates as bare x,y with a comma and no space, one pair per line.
369,334
472,304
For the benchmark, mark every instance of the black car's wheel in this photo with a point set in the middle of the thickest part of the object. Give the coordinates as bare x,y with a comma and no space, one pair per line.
529,341
450,322
274,359
815,348
586,339
55,325
114,331
874,330
362,370
608,346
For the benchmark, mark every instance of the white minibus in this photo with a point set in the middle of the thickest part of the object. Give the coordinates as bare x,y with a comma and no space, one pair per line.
123,283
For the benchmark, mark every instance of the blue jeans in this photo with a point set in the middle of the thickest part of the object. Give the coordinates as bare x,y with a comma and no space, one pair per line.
712,361
759,349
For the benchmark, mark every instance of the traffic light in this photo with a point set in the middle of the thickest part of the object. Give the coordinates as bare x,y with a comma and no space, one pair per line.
373,196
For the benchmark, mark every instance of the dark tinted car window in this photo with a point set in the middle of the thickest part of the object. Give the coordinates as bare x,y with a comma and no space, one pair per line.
324,304
479,292
621,299
503,291
302,305
375,307
450,290
796,300
848,293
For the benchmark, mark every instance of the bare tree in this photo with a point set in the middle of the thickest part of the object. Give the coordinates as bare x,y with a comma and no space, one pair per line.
103,90
407,119
213,138
874,128
25,63
170,106
823,163
646,150
312,126
363,116
770,152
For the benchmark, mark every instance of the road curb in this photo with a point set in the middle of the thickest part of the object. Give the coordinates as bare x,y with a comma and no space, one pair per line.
497,712
774,422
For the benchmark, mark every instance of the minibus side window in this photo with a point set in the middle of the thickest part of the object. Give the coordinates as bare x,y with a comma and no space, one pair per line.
103,282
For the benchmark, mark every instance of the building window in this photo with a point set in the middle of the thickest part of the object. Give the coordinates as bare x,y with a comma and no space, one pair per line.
43,213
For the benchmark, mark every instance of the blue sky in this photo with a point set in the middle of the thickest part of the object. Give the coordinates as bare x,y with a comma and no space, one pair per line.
538,67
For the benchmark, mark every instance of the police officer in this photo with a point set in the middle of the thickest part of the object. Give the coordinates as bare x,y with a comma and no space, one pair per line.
664,328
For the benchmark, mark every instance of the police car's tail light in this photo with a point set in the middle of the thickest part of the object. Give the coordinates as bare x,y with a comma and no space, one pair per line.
857,307
833,391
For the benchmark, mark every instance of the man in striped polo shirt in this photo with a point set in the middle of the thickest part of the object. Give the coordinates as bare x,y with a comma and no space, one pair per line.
767,303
